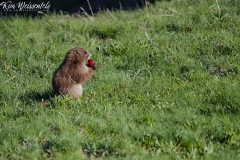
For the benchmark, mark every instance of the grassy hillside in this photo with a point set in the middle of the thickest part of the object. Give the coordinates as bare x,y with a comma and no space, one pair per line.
167,84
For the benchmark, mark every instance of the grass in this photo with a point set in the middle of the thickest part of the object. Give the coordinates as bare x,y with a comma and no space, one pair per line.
167,84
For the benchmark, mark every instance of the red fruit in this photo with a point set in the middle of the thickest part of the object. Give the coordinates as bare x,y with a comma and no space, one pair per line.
91,62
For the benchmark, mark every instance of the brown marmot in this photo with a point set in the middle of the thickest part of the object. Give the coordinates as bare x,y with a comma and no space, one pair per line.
72,73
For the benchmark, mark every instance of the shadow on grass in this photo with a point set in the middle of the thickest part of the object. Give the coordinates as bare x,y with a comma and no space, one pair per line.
37,96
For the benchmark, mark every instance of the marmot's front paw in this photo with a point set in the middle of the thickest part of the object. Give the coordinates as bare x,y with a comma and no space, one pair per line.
93,67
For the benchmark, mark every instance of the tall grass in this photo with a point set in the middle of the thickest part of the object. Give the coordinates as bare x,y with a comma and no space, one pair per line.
167,84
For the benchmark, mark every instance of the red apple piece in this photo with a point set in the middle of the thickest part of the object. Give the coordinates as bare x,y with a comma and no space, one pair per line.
91,62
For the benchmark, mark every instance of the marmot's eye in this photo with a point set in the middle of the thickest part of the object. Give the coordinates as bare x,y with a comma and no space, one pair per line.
85,52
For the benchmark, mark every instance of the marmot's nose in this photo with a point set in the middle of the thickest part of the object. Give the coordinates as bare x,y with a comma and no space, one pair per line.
89,56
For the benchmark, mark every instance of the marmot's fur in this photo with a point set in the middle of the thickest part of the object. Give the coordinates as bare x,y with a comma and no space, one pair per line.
72,73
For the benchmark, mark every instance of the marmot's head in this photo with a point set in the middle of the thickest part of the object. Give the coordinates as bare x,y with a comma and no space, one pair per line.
77,55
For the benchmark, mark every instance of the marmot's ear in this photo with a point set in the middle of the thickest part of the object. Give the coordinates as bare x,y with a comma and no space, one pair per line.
74,59
76,51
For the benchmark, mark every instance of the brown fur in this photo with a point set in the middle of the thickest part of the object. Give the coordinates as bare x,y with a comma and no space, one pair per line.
72,73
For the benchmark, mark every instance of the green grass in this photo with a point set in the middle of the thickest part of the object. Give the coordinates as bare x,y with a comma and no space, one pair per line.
167,84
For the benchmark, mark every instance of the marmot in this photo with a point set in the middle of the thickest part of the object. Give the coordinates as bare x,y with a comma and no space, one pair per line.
72,73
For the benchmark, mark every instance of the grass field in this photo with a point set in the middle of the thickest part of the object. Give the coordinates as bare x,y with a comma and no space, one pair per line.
167,84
